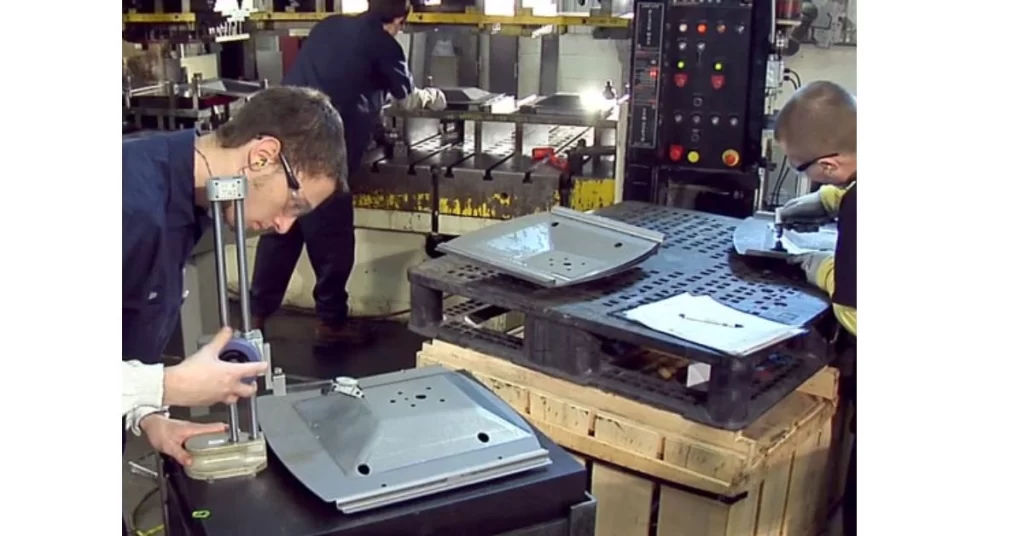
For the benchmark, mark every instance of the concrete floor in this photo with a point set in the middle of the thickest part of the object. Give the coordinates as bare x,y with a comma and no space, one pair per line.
290,335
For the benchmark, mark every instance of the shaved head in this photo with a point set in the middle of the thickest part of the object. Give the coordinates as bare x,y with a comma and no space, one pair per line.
819,119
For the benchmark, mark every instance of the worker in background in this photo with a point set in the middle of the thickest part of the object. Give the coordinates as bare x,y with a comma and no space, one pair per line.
357,62
289,145
817,130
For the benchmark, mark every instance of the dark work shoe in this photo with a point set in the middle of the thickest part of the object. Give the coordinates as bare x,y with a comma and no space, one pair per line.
347,333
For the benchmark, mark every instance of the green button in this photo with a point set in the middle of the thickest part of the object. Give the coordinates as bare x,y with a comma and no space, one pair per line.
681,64
200,514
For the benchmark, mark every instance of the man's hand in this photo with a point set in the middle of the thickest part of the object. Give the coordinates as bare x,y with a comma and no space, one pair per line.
810,263
805,207
203,379
168,436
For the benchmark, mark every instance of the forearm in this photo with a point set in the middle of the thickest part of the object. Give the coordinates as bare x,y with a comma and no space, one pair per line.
142,392
825,280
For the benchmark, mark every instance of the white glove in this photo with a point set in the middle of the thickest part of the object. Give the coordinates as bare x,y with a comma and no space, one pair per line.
810,263
429,98
432,98
805,207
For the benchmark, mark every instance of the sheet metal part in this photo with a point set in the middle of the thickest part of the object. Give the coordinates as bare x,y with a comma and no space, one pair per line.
757,236
414,433
559,248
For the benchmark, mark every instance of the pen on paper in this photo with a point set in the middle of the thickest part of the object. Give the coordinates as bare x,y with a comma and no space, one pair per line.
712,322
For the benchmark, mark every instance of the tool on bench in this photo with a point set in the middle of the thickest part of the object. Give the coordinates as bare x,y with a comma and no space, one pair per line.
778,231
232,453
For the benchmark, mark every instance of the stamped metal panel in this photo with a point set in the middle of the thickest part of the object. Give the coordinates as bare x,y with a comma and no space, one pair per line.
755,236
415,433
558,248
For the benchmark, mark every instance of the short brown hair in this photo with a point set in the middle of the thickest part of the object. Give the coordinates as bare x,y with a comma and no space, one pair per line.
819,119
304,121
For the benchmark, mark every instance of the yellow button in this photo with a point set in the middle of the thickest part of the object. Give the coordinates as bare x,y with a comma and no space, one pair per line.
718,66
693,157
681,64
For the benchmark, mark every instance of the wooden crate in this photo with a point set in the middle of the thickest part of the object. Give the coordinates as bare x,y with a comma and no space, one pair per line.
654,472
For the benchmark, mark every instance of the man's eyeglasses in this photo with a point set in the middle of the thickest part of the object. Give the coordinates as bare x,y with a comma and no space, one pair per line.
806,165
297,204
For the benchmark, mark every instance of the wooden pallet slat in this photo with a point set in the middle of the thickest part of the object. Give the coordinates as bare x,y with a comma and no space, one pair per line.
652,467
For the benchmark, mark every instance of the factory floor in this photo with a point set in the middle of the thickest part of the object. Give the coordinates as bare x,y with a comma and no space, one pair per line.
291,335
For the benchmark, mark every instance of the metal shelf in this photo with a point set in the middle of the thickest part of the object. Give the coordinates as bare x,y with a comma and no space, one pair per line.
525,18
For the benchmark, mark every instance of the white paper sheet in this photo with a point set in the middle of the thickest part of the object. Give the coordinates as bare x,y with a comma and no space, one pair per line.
704,321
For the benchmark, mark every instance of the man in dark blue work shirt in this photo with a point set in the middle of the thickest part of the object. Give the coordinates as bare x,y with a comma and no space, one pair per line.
288,143
357,62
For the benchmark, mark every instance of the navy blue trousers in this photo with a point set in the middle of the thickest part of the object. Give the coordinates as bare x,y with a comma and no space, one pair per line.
329,236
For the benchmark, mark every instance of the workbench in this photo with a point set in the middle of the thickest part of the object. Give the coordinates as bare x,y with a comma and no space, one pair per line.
546,502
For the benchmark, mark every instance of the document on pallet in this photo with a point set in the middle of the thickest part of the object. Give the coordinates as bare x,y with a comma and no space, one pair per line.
703,320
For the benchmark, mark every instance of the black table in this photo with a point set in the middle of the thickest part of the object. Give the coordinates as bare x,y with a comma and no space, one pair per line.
274,503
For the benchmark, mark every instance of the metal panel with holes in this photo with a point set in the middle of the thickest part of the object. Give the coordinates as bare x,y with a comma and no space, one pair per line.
414,433
755,236
559,248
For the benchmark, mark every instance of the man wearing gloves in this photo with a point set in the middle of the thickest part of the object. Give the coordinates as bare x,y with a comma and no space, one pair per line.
817,130
357,62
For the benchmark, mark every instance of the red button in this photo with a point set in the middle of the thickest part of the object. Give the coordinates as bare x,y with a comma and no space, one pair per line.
717,81
702,28
675,152
680,79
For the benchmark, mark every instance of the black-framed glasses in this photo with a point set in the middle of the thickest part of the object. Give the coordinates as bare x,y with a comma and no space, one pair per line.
297,203
806,165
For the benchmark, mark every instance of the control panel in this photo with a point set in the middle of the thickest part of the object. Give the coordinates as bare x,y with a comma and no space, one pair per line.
697,93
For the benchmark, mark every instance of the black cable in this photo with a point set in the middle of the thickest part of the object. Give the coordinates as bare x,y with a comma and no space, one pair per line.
134,528
791,81
799,81
782,175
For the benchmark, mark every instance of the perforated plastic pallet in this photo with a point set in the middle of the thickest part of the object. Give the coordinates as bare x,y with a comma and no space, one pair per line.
577,333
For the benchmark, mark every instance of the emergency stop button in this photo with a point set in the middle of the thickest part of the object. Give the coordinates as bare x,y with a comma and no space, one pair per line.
717,81
731,158
693,157
675,152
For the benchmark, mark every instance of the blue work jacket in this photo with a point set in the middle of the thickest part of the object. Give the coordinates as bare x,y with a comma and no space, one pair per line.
160,225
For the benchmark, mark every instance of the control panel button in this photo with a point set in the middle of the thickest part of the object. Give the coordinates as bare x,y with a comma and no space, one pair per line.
731,158
734,121
698,102
680,79
695,119
678,118
675,152
700,47
695,136
740,29
693,157
683,27
717,81
682,46
718,66
680,65
720,28
702,28
715,120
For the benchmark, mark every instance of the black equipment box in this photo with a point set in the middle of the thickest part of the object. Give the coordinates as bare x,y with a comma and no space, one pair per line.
697,101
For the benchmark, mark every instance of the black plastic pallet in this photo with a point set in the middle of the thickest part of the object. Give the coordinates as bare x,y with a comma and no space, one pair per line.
577,333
